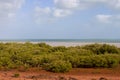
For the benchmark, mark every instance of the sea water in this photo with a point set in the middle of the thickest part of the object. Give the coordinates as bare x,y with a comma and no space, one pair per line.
64,40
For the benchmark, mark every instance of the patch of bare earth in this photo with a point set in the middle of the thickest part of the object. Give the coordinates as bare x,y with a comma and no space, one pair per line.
74,74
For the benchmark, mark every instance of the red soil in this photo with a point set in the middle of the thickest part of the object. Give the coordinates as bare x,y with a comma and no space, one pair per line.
74,74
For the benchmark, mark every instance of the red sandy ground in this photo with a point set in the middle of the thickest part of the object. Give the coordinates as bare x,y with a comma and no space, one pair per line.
74,74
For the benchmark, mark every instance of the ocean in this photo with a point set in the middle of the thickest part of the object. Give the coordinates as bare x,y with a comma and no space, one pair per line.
63,40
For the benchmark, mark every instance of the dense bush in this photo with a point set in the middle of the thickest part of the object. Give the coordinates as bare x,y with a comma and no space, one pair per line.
74,60
57,59
108,49
80,52
58,66
59,49
102,48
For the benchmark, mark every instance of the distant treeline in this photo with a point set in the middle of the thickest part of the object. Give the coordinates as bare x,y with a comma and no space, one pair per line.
57,59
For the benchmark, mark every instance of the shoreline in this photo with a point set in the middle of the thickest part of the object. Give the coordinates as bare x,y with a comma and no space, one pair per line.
66,44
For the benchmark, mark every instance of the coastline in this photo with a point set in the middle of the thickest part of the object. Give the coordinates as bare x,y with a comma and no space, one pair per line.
66,44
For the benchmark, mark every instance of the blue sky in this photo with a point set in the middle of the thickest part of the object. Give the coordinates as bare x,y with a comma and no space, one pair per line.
59,19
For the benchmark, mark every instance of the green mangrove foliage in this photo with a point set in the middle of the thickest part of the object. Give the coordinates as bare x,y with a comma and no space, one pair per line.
57,59
58,66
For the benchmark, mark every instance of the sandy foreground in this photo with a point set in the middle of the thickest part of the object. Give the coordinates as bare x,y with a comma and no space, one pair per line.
74,74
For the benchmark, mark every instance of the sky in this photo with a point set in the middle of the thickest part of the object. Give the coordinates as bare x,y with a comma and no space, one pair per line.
59,19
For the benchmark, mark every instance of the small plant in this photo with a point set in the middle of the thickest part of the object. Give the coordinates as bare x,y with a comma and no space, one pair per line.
103,78
16,75
62,78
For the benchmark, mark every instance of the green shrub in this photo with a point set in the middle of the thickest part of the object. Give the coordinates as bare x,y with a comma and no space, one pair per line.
102,48
108,49
93,47
59,49
36,61
85,62
111,60
58,66
79,52
48,58
74,60
99,61
44,45
57,59
16,75
103,61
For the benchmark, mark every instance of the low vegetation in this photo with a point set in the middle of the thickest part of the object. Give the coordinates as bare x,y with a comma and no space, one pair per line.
57,59
16,75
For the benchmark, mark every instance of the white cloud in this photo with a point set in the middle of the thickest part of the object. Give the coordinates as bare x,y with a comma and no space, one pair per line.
42,11
43,15
66,3
95,1
63,8
103,18
61,12
47,14
117,17
111,3
115,4
118,4
11,15
109,19
8,8
79,4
